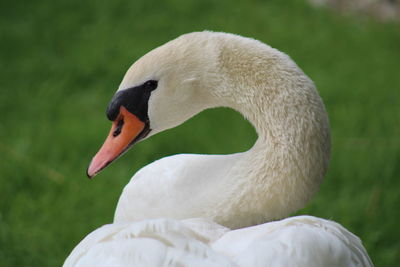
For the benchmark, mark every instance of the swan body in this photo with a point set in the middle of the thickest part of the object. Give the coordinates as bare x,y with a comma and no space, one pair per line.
243,191
296,241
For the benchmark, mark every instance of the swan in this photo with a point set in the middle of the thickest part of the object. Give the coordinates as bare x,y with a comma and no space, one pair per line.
219,210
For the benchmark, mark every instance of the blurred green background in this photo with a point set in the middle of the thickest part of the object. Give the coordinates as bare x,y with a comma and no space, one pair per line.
61,61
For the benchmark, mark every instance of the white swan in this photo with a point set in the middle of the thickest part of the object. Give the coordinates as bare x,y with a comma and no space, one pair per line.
276,177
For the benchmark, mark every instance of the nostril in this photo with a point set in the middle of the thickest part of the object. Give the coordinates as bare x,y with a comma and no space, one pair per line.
118,128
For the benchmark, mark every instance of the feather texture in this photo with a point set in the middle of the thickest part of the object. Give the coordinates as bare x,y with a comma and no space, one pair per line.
243,191
302,241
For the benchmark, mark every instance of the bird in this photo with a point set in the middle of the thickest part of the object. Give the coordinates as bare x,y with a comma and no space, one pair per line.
219,210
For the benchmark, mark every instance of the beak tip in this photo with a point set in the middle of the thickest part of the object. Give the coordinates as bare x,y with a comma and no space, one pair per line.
91,171
89,175
95,167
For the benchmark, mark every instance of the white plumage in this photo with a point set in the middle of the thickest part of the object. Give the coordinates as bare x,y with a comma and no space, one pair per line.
276,177
296,241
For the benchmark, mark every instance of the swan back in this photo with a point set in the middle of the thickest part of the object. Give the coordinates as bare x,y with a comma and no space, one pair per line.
302,241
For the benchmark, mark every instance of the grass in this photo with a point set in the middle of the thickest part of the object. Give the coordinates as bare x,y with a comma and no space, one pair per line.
62,61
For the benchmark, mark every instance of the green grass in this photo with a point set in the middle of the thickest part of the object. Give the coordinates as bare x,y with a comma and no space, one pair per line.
60,63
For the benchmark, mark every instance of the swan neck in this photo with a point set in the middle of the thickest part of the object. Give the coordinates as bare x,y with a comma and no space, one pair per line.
285,166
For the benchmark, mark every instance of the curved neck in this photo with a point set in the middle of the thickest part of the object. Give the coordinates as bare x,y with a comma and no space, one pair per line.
284,168
276,177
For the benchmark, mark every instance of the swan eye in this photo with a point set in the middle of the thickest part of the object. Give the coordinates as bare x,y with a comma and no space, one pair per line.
151,85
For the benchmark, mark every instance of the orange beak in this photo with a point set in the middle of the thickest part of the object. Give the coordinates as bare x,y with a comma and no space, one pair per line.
124,131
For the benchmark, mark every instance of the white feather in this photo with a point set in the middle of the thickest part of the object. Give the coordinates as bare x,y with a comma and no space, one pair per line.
243,191
298,241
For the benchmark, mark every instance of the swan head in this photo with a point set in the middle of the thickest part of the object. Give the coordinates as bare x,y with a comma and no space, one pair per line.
161,90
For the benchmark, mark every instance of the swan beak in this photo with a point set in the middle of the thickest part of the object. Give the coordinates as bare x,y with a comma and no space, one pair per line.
126,130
